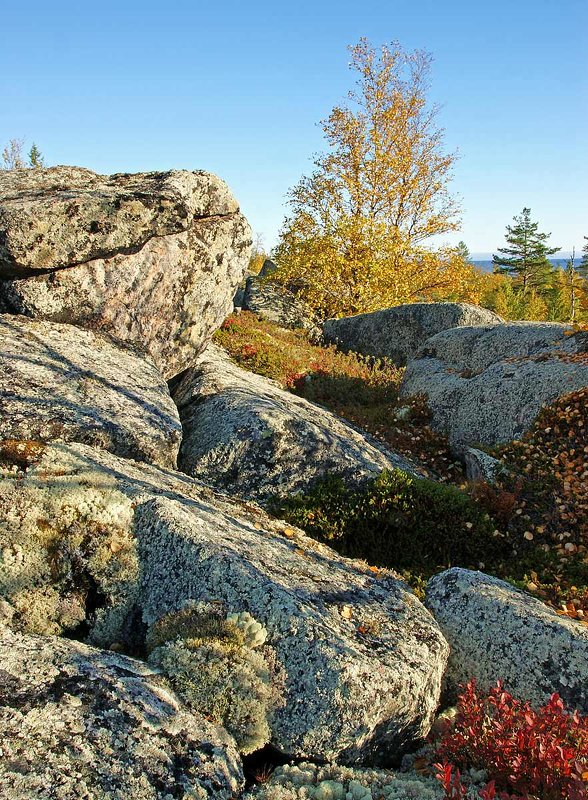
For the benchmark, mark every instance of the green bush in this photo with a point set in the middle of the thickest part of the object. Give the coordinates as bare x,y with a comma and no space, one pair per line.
398,521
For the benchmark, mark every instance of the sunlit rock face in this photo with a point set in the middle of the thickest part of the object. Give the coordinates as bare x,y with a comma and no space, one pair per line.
152,258
62,383
486,385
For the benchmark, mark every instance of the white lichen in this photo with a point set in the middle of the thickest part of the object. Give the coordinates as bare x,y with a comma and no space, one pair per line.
254,632
59,540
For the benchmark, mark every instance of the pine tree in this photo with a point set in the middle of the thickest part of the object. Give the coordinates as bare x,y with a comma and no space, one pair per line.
526,257
35,157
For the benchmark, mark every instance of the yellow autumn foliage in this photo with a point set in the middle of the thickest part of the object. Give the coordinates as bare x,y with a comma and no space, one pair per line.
354,241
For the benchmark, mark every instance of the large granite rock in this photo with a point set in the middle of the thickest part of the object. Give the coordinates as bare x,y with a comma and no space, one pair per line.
249,437
487,385
152,258
362,659
59,382
275,302
398,333
497,632
79,723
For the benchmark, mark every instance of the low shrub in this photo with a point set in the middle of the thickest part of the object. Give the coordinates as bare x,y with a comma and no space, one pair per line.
398,521
526,753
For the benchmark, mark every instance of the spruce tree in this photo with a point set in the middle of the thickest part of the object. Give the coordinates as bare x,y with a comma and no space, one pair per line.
526,256
35,157
583,266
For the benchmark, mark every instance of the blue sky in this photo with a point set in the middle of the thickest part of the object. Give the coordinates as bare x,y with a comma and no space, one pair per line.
238,88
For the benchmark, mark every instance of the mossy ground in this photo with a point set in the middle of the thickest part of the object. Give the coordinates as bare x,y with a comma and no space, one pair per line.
531,529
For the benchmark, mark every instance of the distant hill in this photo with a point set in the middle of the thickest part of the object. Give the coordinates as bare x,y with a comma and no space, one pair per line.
486,264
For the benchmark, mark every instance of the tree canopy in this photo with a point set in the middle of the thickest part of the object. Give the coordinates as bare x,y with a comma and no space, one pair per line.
354,239
526,256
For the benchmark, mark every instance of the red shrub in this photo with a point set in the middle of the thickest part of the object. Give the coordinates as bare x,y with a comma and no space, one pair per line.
540,754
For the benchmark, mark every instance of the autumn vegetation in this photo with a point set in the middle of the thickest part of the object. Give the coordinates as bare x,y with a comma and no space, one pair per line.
529,528
524,753
361,226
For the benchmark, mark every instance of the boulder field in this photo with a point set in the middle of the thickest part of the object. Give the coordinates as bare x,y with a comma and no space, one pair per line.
93,540
486,385
398,333
137,570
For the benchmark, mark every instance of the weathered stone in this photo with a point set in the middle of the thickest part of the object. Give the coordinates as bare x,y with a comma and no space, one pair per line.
76,722
153,259
481,466
398,333
362,658
58,382
497,632
275,302
487,385
249,437
62,216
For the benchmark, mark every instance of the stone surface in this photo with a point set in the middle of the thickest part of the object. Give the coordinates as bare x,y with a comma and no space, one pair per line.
487,385
398,333
249,437
78,723
61,216
481,466
362,657
275,302
153,258
58,382
497,632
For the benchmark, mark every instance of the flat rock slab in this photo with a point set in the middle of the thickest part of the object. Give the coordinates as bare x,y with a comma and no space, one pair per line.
497,632
363,659
78,723
58,382
249,437
487,385
398,333
153,258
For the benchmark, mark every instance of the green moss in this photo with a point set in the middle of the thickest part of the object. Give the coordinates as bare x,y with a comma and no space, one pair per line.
397,521
194,621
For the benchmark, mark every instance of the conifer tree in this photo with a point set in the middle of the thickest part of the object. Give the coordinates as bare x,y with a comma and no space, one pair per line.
526,256
35,157
583,267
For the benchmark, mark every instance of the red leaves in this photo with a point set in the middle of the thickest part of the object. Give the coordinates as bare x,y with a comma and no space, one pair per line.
531,753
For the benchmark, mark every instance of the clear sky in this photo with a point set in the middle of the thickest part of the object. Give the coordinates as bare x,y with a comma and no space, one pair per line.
238,88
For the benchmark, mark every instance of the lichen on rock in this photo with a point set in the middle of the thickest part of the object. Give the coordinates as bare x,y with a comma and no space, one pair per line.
61,543
332,782
211,662
84,724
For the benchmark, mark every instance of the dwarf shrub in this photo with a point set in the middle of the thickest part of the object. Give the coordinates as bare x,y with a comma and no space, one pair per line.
529,753
396,520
